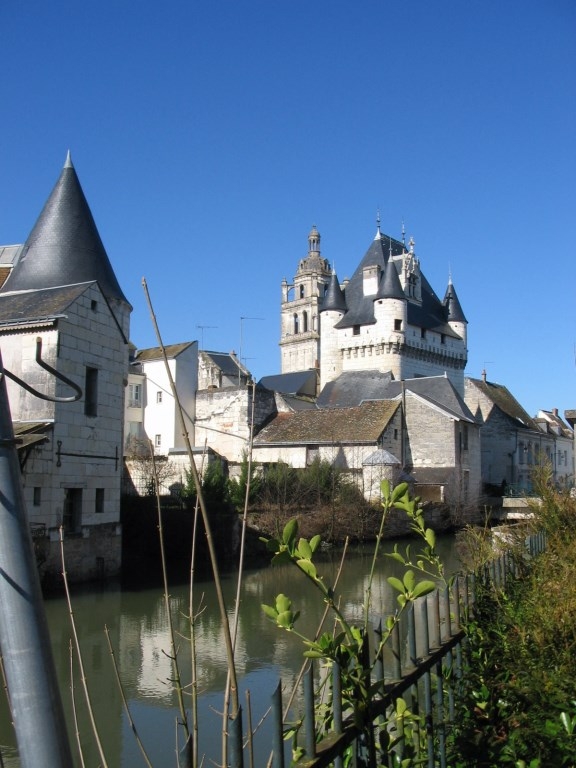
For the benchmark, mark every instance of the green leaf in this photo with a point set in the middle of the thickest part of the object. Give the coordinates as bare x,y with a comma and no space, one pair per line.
315,542
395,583
283,603
290,531
285,619
385,489
304,549
430,537
396,556
409,580
399,491
272,613
281,557
423,588
308,567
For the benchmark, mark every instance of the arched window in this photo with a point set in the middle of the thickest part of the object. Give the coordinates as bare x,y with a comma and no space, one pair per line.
304,322
295,323
301,291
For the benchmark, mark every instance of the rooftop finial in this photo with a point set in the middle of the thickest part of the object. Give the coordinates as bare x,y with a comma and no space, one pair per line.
411,245
378,233
403,235
68,163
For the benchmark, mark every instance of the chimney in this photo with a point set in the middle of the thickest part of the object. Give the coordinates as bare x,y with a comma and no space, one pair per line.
484,375
555,412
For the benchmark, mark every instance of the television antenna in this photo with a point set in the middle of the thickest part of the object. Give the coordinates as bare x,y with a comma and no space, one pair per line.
202,327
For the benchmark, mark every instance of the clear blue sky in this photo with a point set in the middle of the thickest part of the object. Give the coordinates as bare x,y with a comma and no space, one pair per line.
209,136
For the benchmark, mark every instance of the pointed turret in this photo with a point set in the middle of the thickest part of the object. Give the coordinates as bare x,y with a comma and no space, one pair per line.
64,246
452,304
334,297
390,286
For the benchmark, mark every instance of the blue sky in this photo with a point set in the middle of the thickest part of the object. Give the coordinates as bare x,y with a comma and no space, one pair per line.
210,135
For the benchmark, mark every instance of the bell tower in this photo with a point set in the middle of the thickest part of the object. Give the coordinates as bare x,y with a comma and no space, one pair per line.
300,310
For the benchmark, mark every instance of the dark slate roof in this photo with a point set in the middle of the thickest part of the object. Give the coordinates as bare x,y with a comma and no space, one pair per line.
432,315
155,353
452,304
227,363
38,307
505,402
438,391
334,297
360,425
294,403
64,247
352,387
360,307
296,383
390,286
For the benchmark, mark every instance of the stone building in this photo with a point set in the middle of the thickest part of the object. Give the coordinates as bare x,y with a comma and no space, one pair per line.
60,289
386,317
513,443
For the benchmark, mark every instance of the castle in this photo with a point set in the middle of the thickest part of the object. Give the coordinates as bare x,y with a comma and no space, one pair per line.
385,318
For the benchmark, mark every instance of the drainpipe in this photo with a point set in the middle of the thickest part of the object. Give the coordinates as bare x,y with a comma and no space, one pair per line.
33,691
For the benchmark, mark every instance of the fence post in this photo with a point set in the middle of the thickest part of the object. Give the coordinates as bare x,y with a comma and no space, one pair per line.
277,735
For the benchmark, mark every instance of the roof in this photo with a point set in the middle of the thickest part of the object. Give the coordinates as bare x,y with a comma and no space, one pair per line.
436,390
295,383
352,387
38,307
553,423
155,353
30,432
381,458
227,362
362,425
452,304
334,297
505,402
64,246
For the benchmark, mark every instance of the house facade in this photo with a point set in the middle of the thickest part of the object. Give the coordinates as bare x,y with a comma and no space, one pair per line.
514,444
61,305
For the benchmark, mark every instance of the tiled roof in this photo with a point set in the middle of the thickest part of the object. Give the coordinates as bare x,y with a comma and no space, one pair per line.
227,363
64,246
360,425
155,353
33,307
438,391
505,402
351,387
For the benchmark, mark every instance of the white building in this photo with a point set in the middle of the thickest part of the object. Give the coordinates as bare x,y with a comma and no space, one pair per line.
386,318
60,288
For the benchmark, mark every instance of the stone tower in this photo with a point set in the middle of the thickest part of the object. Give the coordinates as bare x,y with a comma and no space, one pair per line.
300,310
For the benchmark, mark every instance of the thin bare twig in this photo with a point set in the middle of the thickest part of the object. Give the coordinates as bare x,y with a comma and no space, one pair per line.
124,701
74,711
79,654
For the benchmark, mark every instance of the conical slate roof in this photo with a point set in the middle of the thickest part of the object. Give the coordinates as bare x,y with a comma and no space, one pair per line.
390,286
64,247
453,306
334,298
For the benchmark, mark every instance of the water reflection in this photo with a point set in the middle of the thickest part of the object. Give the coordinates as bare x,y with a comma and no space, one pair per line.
139,633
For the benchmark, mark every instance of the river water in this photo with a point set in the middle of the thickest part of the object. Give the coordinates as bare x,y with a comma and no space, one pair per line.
137,623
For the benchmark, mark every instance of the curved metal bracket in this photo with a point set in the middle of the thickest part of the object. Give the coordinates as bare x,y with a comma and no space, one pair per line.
54,372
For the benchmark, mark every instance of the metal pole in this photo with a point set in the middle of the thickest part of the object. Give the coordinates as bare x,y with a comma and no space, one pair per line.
35,700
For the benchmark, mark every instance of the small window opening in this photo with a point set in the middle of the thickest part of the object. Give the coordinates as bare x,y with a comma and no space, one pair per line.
356,330
397,325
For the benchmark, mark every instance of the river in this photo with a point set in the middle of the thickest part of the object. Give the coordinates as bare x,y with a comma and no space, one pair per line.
138,628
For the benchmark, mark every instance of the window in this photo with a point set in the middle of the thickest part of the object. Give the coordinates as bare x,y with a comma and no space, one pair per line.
91,392
158,441
295,323
304,321
37,498
135,395
99,501
93,305
159,396
442,338
397,324
465,437
72,510
395,434
301,291
422,333
356,330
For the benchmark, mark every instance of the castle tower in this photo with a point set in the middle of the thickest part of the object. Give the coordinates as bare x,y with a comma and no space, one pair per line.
332,311
300,310
456,318
64,248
